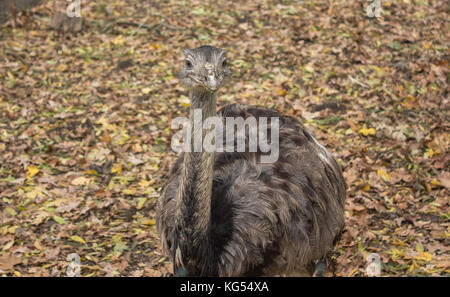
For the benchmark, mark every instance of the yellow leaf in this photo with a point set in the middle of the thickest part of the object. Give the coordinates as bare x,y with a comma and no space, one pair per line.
396,253
412,267
424,256
12,229
309,69
122,138
383,174
435,182
365,188
129,191
92,267
184,101
37,191
149,222
79,181
39,218
154,46
62,67
419,248
353,271
141,202
10,211
59,220
430,153
117,168
366,132
146,90
102,121
146,183
118,40
32,194
281,92
397,241
379,71
92,171
32,171
427,45
78,239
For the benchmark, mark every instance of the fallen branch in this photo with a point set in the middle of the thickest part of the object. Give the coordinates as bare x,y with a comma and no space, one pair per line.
353,80
151,27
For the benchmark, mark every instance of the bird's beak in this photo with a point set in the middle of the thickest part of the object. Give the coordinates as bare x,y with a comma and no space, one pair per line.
211,82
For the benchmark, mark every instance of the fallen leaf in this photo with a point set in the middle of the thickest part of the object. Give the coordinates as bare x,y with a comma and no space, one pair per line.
117,168
59,220
444,178
366,132
424,256
10,211
79,181
32,171
383,174
78,239
149,222
8,245
7,262
141,202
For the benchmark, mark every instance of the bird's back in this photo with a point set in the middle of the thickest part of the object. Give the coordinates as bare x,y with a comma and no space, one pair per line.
268,218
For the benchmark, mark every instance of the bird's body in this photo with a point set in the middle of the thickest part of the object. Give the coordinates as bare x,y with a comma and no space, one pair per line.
229,214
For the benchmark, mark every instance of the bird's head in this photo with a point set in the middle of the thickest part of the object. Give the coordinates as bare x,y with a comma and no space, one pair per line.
205,67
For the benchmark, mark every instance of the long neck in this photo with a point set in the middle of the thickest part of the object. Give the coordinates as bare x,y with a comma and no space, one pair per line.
194,195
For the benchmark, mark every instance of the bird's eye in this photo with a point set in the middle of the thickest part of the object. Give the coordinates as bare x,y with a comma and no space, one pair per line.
188,64
224,63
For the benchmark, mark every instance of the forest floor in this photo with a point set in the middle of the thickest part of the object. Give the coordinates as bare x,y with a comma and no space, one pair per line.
85,124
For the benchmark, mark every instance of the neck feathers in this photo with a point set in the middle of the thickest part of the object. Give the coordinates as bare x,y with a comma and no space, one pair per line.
194,196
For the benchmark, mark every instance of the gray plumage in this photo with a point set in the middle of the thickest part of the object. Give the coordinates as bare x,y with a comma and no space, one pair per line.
228,214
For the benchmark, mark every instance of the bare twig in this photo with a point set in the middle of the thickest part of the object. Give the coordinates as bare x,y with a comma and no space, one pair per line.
353,80
161,23
143,22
